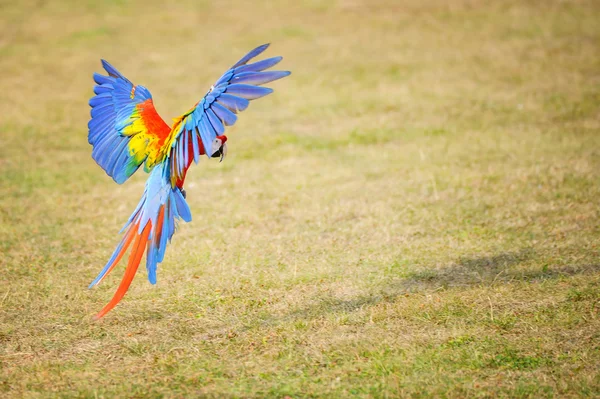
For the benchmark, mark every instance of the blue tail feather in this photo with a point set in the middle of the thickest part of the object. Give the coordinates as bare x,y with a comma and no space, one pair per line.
158,195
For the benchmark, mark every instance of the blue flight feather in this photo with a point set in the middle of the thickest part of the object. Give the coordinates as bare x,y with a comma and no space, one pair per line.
233,103
195,145
207,134
215,122
259,66
247,91
254,53
258,78
228,117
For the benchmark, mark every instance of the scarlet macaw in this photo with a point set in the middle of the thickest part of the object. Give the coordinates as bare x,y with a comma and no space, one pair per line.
126,131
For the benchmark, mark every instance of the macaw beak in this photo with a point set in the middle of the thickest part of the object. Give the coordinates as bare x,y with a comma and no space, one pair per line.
219,153
223,151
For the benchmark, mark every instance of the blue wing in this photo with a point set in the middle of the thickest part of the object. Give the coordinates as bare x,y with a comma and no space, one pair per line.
124,124
231,93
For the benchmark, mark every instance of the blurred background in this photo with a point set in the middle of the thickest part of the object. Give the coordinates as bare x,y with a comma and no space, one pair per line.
413,212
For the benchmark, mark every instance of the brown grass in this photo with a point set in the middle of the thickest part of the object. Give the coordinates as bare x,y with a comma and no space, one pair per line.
413,213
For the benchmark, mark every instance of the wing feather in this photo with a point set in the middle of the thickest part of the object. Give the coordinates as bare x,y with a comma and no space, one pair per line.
231,94
125,129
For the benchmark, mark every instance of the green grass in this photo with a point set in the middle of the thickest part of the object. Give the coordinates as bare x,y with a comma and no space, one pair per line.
413,213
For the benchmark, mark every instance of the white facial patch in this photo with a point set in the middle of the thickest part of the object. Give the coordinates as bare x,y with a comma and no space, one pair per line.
216,144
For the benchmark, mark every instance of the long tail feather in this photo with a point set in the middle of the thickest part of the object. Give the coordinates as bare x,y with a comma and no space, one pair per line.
150,227
134,261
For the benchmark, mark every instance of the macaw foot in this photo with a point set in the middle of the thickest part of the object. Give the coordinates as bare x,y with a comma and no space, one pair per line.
182,192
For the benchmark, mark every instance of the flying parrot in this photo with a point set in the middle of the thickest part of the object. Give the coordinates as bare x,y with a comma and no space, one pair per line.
126,131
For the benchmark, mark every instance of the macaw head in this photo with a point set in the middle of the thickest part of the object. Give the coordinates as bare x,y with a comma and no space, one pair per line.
219,147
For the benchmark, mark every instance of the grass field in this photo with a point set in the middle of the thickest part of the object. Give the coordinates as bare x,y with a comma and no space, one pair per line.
413,213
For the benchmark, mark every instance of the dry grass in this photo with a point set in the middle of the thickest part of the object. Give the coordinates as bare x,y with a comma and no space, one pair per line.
414,213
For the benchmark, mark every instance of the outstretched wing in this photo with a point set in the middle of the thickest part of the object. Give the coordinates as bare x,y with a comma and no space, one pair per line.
195,130
125,128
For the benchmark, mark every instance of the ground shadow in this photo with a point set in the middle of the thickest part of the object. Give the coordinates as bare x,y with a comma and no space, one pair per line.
502,268
487,270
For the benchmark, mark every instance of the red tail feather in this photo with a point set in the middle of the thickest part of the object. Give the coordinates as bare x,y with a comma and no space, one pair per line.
135,257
